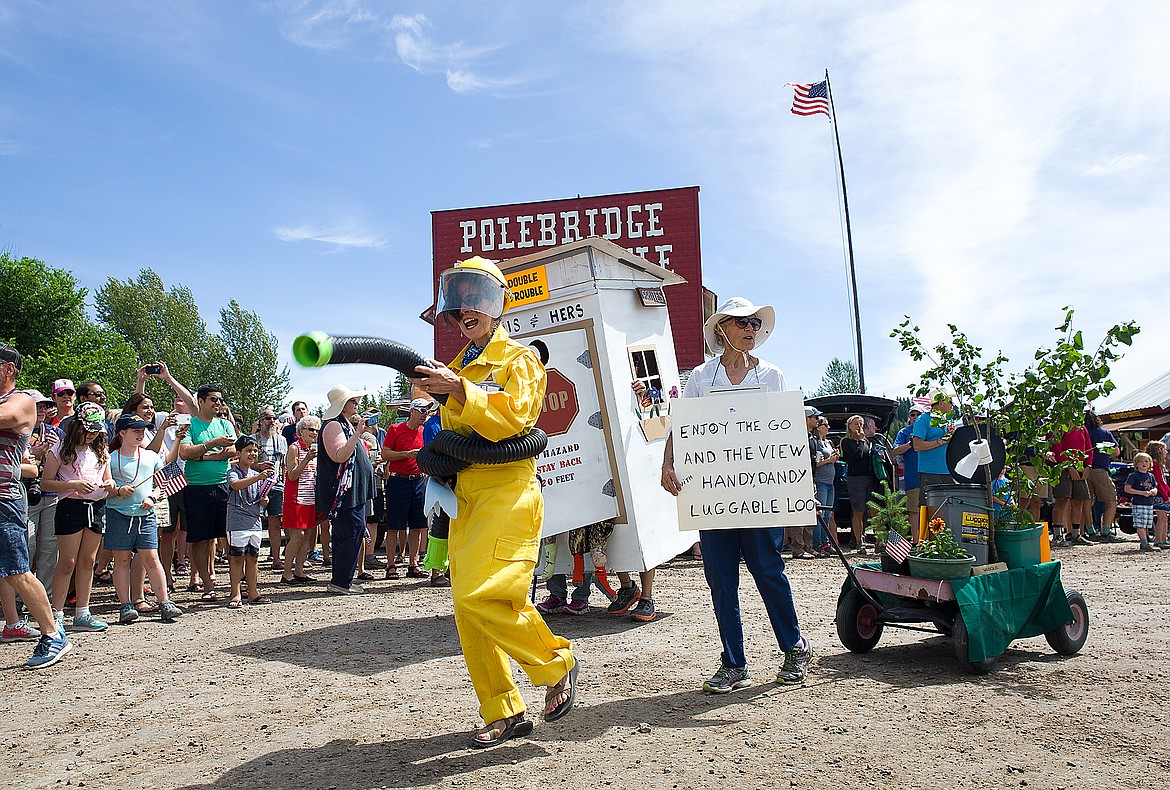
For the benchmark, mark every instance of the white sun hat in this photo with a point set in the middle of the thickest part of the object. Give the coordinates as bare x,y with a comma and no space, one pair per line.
740,307
339,395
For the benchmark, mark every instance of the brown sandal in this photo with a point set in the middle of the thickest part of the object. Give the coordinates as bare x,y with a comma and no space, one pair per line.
501,730
566,686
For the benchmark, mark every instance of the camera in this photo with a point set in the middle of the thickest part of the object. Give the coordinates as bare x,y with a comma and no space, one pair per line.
153,370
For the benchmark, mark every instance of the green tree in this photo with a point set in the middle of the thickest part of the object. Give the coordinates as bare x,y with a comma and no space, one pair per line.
44,317
42,304
89,353
243,360
840,377
160,324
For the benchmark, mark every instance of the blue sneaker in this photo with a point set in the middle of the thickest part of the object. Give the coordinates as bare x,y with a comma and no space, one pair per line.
87,622
49,650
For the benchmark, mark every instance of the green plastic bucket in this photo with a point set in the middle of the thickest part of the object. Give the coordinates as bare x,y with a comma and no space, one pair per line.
1019,548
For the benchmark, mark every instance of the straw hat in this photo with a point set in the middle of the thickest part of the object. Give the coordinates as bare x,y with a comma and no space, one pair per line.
338,396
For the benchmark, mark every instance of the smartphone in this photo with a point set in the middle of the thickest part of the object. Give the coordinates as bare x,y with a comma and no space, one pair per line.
183,419
153,370
372,420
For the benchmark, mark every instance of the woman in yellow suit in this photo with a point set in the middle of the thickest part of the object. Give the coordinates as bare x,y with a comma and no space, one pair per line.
496,389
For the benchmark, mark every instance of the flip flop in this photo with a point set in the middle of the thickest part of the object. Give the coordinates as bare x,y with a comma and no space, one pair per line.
209,597
568,686
515,727
145,607
259,599
234,604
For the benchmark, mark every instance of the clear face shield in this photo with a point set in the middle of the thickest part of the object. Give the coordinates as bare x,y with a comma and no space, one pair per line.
469,289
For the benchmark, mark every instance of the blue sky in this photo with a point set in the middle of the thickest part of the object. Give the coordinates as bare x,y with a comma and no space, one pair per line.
1004,159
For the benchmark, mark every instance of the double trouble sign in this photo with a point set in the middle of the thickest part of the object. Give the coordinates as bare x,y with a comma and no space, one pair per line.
743,461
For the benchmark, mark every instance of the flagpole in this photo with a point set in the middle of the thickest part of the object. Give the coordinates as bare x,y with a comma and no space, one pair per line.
848,239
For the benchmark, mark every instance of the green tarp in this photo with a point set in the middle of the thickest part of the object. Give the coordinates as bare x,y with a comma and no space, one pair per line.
998,608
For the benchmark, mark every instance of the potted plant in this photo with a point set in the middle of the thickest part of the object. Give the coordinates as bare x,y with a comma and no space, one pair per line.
1026,409
889,515
1017,537
939,556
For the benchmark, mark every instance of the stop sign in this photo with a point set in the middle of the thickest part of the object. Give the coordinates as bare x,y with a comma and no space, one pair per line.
560,404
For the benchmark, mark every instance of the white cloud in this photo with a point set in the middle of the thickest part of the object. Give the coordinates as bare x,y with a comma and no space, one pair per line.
344,236
337,24
1117,164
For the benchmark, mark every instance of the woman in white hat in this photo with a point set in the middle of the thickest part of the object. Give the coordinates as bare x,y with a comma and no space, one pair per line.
734,331
345,483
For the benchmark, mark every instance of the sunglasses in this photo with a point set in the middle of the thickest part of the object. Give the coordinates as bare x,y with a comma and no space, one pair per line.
215,399
753,322
64,394
822,422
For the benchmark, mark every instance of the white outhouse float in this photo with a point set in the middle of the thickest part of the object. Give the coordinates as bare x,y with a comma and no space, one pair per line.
596,313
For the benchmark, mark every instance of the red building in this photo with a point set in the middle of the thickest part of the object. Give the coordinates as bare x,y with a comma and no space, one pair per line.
661,226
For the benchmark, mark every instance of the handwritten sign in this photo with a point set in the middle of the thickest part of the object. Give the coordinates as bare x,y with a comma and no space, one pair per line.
743,461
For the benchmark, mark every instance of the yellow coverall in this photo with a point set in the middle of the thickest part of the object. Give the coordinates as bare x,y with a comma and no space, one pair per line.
495,539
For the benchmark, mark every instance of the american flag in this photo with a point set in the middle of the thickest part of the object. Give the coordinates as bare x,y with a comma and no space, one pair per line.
263,487
171,478
810,98
897,547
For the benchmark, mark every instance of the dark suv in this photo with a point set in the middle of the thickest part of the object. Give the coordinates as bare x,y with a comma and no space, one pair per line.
839,408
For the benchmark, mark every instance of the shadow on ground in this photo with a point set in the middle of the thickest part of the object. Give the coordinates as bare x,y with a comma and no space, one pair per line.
414,762
363,648
932,662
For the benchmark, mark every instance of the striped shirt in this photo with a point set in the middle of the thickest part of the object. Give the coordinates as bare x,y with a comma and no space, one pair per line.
13,446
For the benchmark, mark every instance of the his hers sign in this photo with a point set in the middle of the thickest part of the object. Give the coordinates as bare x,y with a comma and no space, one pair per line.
742,459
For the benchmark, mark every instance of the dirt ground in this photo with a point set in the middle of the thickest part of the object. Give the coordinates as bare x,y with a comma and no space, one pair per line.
349,693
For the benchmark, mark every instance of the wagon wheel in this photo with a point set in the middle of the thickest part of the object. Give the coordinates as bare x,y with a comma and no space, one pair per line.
959,633
857,622
1070,637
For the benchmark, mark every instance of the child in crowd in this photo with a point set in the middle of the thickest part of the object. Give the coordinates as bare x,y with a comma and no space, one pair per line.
1157,451
1141,489
131,525
79,470
300,504
246,502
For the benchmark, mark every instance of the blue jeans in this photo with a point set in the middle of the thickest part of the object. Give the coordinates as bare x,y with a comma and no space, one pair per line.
347,532
760,550
826,495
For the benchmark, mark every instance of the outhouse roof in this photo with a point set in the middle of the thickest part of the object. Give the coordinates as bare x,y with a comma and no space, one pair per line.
621,254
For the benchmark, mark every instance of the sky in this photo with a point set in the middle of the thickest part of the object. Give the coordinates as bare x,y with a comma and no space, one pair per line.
1003,159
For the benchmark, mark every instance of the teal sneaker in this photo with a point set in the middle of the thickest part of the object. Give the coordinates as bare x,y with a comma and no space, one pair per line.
128,614
87,622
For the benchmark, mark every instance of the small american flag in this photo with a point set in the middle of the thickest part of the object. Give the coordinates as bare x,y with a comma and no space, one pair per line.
170,479
263,487
810,98
897,547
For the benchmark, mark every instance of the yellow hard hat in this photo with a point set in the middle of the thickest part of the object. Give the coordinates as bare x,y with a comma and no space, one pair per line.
474,284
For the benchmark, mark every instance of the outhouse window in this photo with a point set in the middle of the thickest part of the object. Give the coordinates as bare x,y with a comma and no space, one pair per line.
644,364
